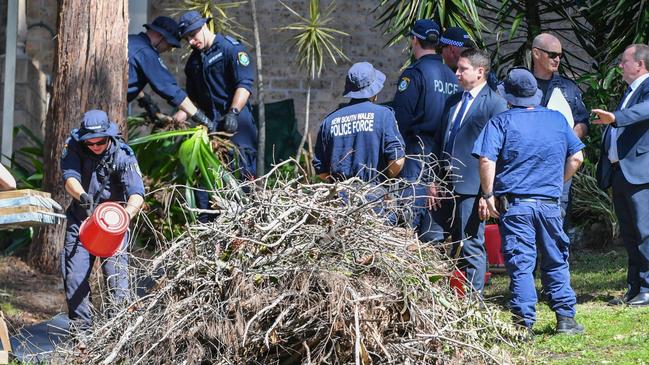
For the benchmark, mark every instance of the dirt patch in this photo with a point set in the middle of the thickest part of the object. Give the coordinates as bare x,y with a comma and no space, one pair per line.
27,296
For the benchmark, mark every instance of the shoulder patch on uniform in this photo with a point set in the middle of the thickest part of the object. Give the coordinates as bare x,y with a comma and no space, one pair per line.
64,153
232,40
243,58
403,83
127,149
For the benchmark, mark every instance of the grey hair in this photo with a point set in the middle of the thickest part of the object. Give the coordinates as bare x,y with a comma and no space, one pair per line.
641,54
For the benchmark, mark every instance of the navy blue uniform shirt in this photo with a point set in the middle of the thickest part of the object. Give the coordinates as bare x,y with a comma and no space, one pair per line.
530,147
78,162
572,94
145,66
212,79
358,140
418,104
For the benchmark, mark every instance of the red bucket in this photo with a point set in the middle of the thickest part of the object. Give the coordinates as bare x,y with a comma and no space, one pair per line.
493,246
102,233
458,282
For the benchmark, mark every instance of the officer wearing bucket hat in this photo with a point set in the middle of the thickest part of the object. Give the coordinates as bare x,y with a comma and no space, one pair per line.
220,78
526,153
97,166
146,67
360,139
422,91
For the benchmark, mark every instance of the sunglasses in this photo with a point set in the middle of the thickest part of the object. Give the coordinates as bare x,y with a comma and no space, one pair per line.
552,55
98,143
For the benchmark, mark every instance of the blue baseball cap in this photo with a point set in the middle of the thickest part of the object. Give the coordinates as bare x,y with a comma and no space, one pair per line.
520,88
455,36
167,27
190,21
363,81
95,124
423,27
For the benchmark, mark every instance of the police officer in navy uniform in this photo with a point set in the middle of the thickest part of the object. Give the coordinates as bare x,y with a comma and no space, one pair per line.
454,41
220,78
418,104
421,93
546,56
526,153
360,139
146,67
97,167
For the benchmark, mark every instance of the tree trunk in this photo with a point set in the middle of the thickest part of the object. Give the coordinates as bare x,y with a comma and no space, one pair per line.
90,73
533,19
261,135
306,121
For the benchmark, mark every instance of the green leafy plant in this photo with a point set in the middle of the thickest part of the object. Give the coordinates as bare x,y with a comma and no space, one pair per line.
397,16
593,207
27,161
313,42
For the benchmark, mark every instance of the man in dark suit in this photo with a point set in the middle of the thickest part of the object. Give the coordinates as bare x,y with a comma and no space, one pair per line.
465,115
624,165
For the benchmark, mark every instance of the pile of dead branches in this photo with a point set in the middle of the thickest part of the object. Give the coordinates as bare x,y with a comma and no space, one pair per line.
296,273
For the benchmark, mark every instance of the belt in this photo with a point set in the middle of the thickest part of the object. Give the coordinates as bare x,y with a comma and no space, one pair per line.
531,199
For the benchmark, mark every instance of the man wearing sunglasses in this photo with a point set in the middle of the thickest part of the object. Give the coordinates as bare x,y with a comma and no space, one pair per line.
546,56
146,67
97,167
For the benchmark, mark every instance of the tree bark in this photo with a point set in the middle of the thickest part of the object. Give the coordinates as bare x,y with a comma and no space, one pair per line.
306,122
261,135
90,73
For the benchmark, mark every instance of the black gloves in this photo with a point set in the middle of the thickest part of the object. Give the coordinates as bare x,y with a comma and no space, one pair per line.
151,108
87,203
231,121
200,118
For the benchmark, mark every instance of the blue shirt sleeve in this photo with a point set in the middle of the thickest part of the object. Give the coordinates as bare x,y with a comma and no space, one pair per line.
321,162
394,146
70,160
490,141
406,100
574,144
241,66
160,79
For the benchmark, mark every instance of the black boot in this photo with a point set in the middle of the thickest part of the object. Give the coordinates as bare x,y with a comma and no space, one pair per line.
568,325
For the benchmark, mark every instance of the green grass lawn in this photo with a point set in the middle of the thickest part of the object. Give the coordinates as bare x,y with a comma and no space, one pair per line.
613,335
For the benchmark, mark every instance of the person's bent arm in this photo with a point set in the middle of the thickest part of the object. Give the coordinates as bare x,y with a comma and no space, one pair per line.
134,204
572,165
395,166
7,181
74,188
240,98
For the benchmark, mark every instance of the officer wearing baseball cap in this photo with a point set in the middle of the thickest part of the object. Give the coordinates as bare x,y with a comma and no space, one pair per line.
219,79
360,123
453,42
146,67
97,166
526,153
422,91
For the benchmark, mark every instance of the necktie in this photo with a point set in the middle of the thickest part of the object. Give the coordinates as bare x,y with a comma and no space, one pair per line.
626,94
448,148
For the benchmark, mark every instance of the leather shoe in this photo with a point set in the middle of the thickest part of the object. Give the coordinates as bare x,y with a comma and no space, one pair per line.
568,325
641,299
624,299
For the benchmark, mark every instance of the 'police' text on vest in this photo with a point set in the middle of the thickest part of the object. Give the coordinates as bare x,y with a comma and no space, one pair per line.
352,124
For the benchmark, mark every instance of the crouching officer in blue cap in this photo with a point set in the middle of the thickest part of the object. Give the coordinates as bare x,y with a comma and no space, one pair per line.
422,91
360,139
146,67
526,153
97,166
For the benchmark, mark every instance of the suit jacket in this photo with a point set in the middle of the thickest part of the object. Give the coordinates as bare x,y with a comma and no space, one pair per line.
632,142
488,103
